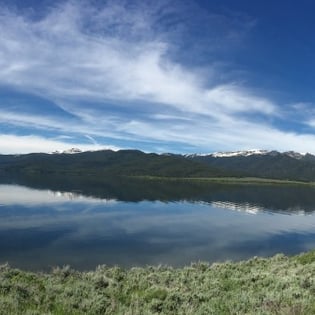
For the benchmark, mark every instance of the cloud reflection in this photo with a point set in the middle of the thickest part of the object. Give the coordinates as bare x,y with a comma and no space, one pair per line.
62,228
21,195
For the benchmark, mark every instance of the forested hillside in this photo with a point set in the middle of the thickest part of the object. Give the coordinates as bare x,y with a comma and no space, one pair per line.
273,165
109,163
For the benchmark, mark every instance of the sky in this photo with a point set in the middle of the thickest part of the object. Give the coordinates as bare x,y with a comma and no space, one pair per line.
181,76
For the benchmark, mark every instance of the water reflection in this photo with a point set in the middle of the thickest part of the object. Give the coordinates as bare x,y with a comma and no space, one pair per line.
244,206
255,209
266,197
42,228
15,194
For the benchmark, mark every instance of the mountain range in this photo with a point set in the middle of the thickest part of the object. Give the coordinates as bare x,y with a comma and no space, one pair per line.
245,153
105,163
288,165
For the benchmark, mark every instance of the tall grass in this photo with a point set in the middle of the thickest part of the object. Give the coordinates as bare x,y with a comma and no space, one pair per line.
277,285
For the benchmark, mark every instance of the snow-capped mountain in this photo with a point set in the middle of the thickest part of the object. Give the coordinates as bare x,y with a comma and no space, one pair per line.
240,153
69,151
250,163
229,154
245,153
295,155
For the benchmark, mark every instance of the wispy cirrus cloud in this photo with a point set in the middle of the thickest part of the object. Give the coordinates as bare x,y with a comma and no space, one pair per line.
113,68
58,57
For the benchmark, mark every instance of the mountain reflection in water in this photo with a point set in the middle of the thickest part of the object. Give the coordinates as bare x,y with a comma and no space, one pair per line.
138,223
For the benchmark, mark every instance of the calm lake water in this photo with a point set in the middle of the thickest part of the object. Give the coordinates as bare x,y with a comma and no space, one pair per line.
145,224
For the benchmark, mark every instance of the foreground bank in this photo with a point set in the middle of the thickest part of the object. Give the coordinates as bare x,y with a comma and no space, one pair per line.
278,285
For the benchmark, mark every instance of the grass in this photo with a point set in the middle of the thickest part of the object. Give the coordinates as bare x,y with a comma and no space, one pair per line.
228,180
277,285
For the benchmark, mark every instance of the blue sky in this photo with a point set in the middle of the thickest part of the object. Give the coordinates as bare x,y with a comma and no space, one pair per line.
159,76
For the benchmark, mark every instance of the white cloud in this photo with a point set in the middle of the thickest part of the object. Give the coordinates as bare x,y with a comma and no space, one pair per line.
12,144
96,125
58,58
236,99
228,135
99,64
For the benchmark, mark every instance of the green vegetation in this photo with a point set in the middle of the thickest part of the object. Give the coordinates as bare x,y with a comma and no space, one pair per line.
229,180
107,163
277,166
278,285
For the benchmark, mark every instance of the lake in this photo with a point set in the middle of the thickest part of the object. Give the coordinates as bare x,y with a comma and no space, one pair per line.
136,223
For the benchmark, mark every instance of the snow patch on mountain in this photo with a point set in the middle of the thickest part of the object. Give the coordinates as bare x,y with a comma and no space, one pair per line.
240,153
69,151
245,153
295,155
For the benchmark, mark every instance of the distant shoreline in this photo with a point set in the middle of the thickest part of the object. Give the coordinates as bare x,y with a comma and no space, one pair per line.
227,180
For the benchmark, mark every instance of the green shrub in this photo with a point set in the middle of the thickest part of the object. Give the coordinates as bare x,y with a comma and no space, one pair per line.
278,285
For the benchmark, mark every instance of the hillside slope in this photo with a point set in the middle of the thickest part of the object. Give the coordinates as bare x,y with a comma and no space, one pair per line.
272,165
107,163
